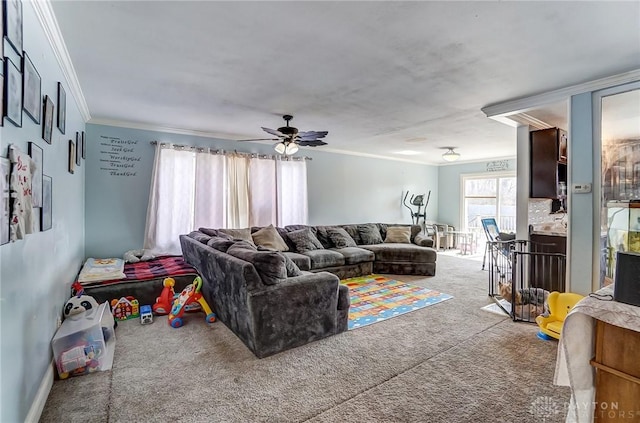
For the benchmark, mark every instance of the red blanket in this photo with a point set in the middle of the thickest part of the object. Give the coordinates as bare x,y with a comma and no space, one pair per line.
160,267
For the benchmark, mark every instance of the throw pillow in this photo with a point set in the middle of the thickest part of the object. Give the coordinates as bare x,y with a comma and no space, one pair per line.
292,268
270,265
243,234
305,240
220,243
209,231
269,237
398,234
199,236
340,238
369,234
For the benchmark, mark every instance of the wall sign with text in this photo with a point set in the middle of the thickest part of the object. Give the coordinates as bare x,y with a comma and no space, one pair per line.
119,157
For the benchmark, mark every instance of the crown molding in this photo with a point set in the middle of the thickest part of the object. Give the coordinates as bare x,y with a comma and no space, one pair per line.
525,104
49,23
533,122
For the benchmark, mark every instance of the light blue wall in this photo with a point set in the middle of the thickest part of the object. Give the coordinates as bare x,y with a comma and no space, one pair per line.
449,188
36,272
342,189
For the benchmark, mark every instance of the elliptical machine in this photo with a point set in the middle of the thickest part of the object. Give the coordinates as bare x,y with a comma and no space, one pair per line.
417,201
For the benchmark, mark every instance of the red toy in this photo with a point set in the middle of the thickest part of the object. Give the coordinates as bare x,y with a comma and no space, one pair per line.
165,300
191,294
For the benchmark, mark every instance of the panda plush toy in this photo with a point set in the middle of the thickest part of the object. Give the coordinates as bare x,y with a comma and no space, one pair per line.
77,305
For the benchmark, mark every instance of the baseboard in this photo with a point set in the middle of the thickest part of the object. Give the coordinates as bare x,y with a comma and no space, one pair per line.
41,396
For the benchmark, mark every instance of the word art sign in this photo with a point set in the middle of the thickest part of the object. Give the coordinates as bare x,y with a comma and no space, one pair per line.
119,157
497,166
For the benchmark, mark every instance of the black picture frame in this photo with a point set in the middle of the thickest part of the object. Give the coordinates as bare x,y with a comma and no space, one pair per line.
72,157
47,121
46,213
31,89
84,146
5,200
78,148
62,108
1,90
2,30
36,181
13,93
13,24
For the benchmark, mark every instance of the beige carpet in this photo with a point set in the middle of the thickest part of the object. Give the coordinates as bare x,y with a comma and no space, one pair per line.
451,362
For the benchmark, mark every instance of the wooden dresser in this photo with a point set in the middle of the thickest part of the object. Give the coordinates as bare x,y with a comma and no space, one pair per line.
617,382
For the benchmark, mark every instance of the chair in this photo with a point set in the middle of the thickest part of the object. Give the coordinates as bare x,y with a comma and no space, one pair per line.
497,242
560,304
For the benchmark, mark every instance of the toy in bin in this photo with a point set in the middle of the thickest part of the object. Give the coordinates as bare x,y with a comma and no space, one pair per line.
78,361
191,294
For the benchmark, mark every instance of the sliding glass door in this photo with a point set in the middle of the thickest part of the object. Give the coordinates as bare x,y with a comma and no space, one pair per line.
489,195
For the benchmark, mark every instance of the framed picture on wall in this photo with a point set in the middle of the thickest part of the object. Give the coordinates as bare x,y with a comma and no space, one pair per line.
46,214
84,146
2,30
36,182
1,90
78,148
47,126
5,169
13,24
31,89
72,156
13,92
62,107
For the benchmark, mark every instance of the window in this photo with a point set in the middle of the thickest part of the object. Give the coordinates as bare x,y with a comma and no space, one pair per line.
193,188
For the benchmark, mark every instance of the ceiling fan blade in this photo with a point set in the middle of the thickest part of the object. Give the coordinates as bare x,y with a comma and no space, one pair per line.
311,143
273,132
261,139
312,135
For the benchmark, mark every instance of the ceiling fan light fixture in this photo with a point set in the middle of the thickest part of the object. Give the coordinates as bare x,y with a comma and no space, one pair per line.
292,148
280,148
450,155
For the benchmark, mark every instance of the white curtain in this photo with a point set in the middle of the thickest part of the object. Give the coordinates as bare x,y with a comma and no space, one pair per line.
171,207
292,192
238,192
262,192
192,188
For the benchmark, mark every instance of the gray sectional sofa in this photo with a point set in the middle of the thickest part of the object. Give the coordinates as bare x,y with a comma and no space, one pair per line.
278,288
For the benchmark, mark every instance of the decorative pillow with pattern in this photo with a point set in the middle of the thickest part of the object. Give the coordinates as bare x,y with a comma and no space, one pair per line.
305,240
340,238
398,234
269,237
369,234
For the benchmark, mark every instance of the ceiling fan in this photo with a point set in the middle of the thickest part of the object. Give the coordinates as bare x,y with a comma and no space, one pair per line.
289,138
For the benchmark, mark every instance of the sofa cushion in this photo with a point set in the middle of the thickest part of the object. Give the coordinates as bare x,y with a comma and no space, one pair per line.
398,234
292,268
199,236
355,255
209,231
340,238
220,243
305,240
269,237
402,253
323,236
243,234
325,258
303,262
369,234
352,230
270,265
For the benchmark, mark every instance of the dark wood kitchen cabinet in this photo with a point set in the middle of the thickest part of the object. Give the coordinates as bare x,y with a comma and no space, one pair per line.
548,154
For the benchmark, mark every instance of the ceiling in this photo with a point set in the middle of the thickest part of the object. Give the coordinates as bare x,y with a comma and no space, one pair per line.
384,78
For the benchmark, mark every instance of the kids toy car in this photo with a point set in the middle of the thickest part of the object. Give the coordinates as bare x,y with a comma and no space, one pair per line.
191,294
146,315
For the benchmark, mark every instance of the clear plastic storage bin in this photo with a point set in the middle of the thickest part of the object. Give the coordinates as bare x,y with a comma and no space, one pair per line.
85,343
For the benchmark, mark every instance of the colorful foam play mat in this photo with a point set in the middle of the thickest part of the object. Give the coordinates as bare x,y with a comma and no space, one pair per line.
375,298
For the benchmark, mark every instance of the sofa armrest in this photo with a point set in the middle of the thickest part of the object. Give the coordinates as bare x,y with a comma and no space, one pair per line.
294,312
423,240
